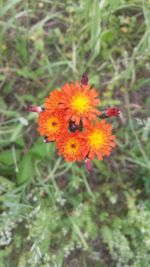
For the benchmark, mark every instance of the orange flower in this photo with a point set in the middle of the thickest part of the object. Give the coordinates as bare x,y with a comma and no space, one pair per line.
52,101
70,146
79,102
100,140
51,125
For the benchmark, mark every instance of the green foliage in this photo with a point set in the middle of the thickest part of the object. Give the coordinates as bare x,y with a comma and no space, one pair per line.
25,169
53,213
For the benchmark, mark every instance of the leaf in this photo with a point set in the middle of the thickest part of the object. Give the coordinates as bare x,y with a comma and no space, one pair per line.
6,157
4,182
42,150
16,133
2,103
9,5
20,142
22,261
26,169
95,27
146,131
9,113
107,235
7,170
23,121
108,36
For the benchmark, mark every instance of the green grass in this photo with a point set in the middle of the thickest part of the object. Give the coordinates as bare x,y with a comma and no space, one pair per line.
54,213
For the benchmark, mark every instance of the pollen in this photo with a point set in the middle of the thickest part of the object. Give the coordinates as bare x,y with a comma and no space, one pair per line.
72,146
96,139
80,103
53,125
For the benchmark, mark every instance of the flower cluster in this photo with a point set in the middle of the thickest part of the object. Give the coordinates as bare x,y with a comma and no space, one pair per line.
72,119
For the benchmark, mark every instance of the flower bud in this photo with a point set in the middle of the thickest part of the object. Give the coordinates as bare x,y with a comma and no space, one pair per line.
112,112
88,165
32,108
84,79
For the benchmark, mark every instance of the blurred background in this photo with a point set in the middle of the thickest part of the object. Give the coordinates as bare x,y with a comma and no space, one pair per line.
53,213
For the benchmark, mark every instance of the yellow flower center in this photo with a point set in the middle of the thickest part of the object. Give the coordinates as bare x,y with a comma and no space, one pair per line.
72,146
53,125
97,139
80,103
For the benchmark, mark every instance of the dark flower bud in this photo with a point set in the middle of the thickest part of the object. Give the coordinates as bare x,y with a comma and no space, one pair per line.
112,112
84,79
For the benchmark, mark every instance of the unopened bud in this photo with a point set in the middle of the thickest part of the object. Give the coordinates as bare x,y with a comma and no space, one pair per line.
84,79
88,165
34,109
112,112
